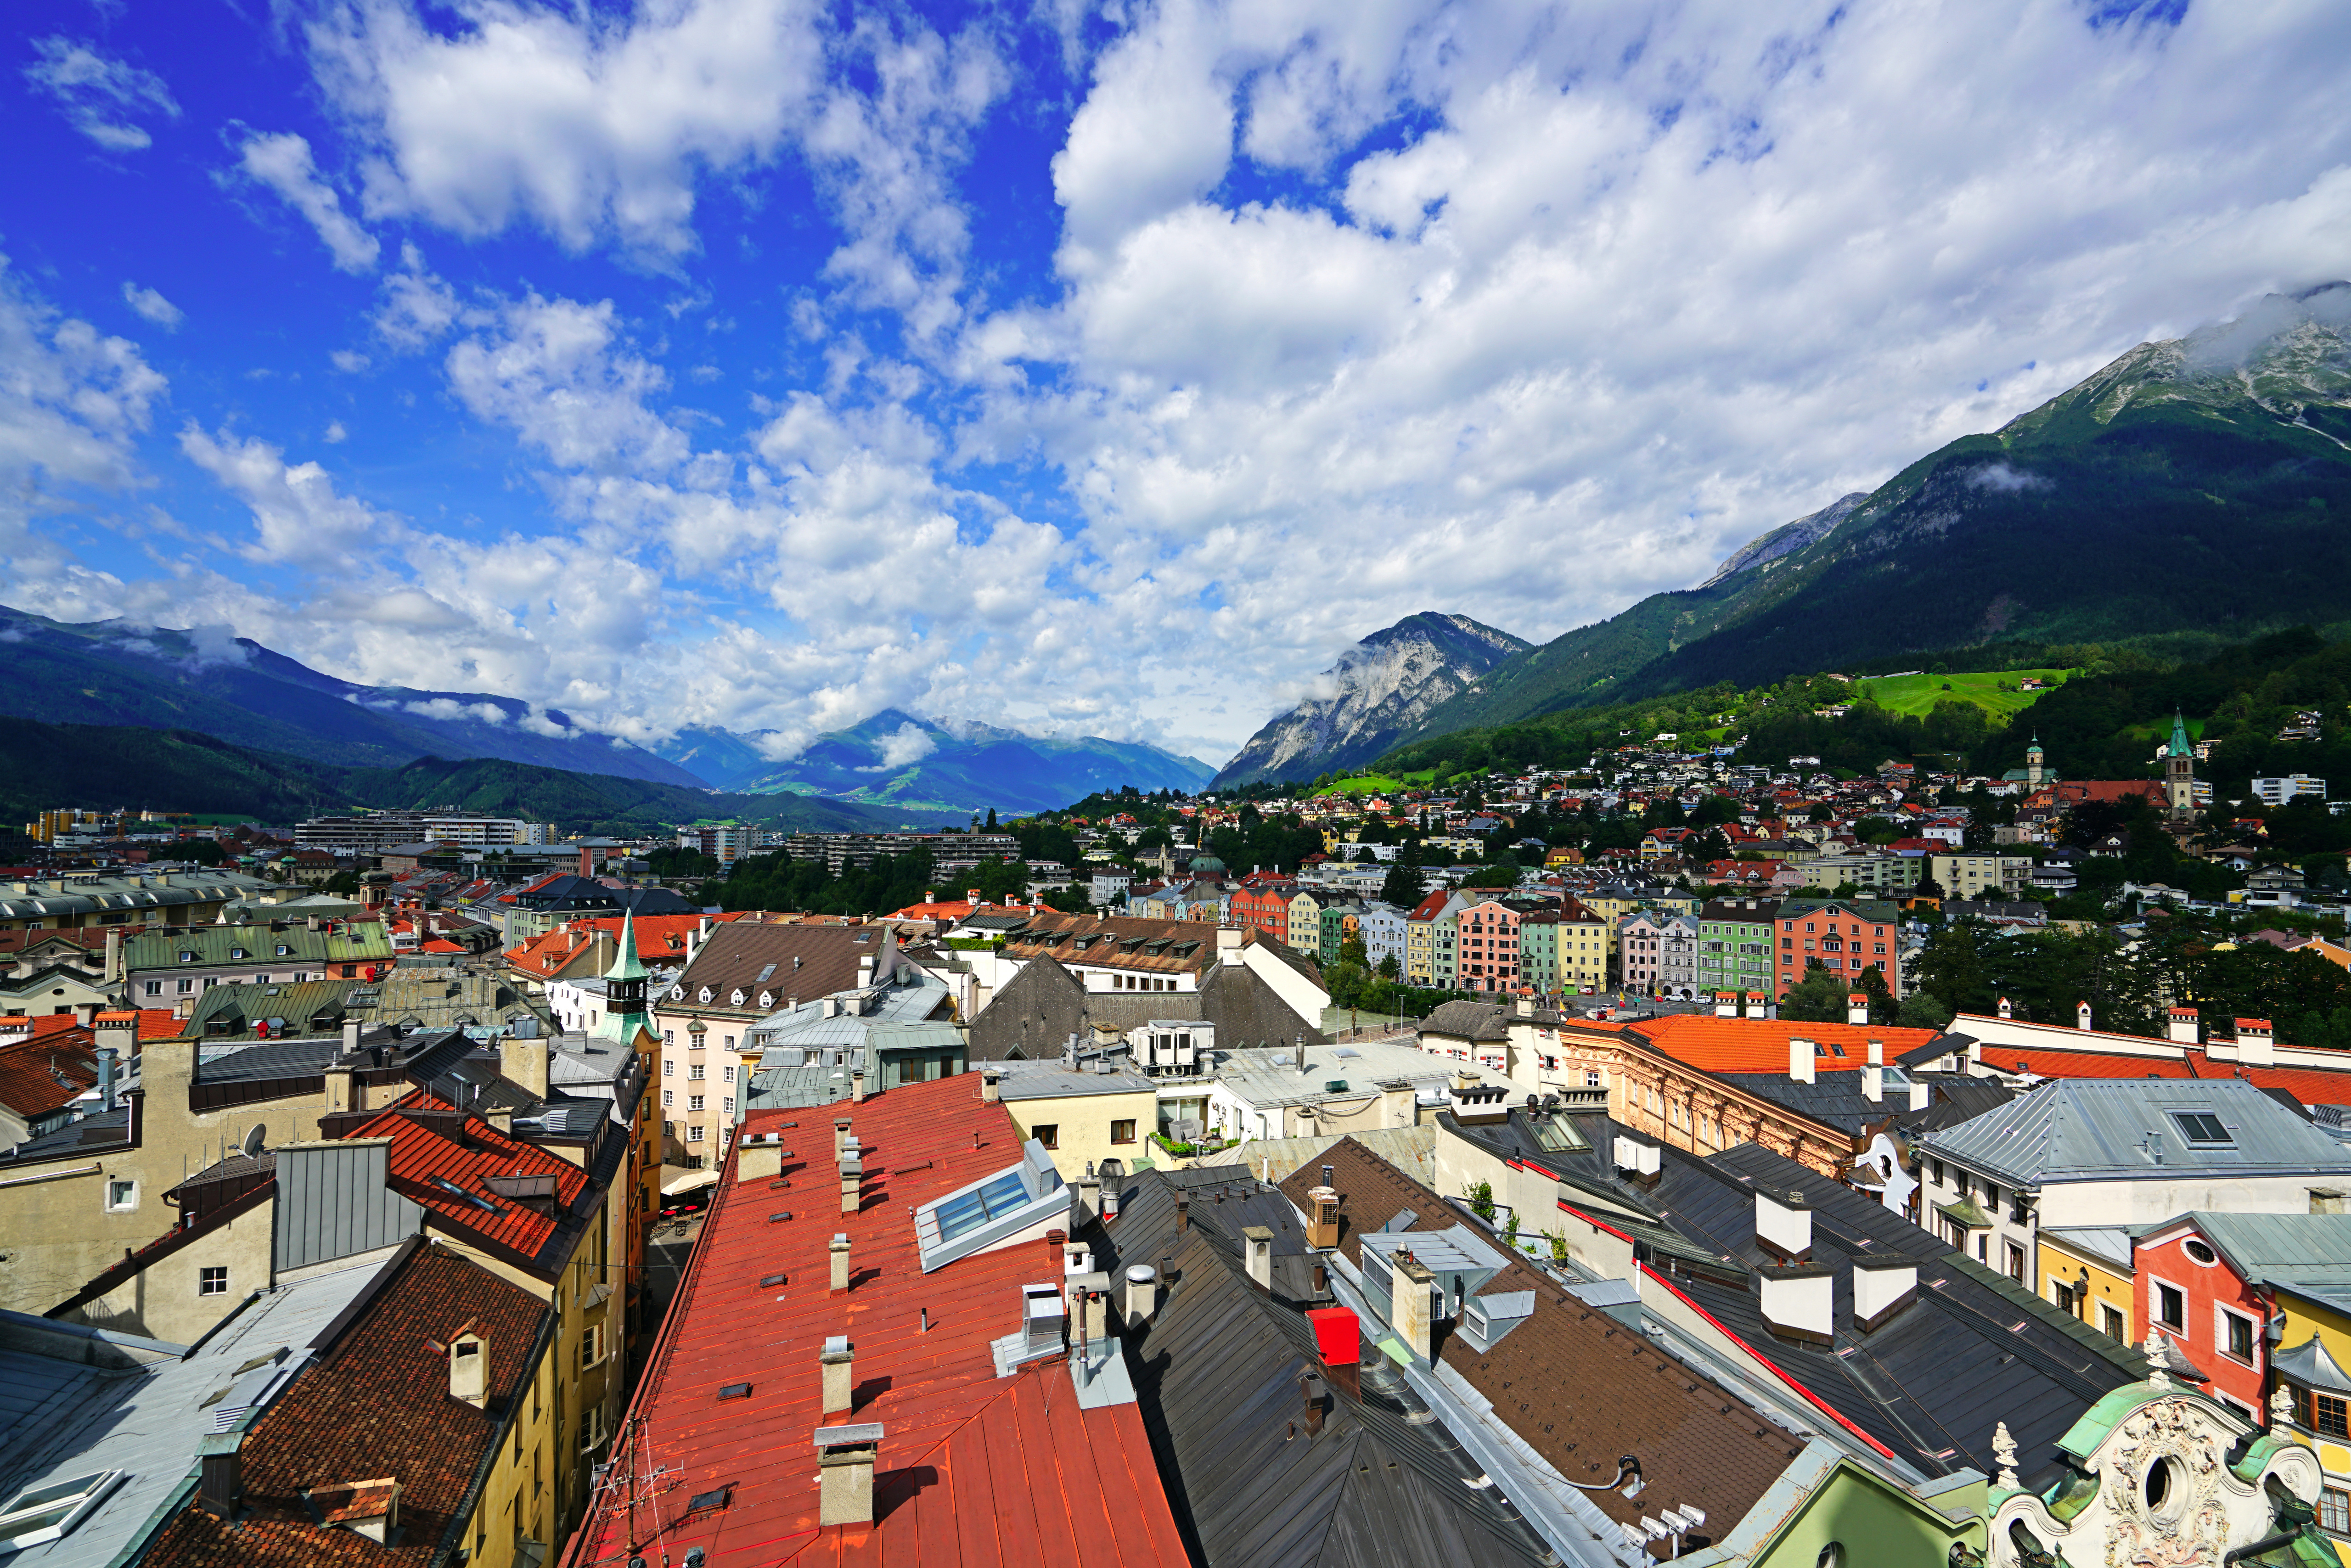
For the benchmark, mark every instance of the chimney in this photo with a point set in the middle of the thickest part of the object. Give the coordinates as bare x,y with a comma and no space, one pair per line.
587,860
1086,1193
852,1181
113,956
219,1486
1228,940
1526,1009
1182,1215
1726,1006
991,1085
1922,1094
1077,1257
1800,1060
2004,1007
1857,1009
857,1084
839,1251
1412,1304
1783,1224
837,1360
1142,1294
2256,1046
525,1062
1323,1226
501,1120
1881,1288
1799,1302
1310,1390
841,1126
2183,1026
469,1370
845,1473
350,1037
2082,1015
1873,1083
106,1077
1260,1242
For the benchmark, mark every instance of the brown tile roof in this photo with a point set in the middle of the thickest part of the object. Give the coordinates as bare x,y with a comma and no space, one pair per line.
1120,942
377,1406
802,960
43,1075
1578,1387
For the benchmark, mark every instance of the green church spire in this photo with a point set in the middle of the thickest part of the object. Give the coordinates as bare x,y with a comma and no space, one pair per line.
2179,743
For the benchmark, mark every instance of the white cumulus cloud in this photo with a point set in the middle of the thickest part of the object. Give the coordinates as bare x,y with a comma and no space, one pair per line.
282,162
100,95
147,302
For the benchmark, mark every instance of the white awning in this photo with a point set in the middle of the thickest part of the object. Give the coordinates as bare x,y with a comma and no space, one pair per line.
692,1181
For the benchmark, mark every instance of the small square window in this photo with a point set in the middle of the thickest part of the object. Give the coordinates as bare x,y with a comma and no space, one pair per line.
211,1282
121,1197
1122,1132
1048,1134
694,1134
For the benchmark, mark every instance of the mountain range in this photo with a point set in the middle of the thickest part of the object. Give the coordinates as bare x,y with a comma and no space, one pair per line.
1377,695
894,760
110,675
2191,492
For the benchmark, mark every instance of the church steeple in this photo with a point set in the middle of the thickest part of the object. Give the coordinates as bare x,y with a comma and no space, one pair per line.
624,983
2180,771
2032,760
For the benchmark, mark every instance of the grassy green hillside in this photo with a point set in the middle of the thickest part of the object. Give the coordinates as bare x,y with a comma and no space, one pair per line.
1997,692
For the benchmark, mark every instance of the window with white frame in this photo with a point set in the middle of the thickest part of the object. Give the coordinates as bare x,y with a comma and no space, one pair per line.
121,1194
591,1346
694,1133
213,1282
48,1510
2234,1333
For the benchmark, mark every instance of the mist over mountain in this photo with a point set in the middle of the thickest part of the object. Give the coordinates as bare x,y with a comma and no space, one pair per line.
1377,693
2191,491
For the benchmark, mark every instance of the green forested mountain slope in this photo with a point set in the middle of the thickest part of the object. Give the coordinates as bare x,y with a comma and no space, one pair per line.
2197,486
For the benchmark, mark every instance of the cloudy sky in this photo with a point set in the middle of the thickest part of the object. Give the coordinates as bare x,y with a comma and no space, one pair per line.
1089,367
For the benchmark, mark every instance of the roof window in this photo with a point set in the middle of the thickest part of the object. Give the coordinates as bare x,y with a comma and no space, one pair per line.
989,1200
462,1195
2202,1129
48,1511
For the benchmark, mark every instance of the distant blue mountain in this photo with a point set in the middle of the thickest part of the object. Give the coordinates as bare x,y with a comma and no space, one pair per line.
233,688
894,760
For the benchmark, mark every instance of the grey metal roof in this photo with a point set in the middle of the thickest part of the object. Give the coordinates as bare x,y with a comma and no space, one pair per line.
146,1421
2303,1249
2107,1243
1051,1080
2090,1129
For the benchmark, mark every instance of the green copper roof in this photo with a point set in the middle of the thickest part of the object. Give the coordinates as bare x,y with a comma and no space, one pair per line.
625,965
2179,747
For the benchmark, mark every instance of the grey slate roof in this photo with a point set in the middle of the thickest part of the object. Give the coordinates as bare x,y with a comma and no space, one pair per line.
2310,1252
1039,1008
1216,1378
2086,1129
1467,1020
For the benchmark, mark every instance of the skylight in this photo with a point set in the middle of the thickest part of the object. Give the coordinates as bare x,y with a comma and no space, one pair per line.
2200,1127
459,1193
47,1511
989,1200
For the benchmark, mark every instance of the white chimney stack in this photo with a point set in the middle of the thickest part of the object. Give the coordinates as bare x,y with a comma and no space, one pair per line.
1881,1288
1260,1242
1783,1223
2184,1029
839,1362
2082,1015
2256,1046
1873,1083
1857,1009
1800,1302
845,1473
1726,1004
1800,1060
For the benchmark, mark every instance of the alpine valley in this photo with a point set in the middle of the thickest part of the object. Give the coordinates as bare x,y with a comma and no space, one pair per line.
107,676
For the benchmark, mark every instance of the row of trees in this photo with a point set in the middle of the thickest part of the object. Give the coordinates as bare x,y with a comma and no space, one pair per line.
892,882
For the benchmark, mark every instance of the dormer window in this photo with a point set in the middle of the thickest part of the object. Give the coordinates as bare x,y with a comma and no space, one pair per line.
767,1000
186,956
735,999
706,993
238,953
284,951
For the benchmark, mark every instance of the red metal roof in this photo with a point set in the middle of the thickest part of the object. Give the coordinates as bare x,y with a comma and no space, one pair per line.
419,1152
972,1469
2311,1086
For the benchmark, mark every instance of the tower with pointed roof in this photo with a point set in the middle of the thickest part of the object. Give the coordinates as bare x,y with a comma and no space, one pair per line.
2180,771
624,988
2033,758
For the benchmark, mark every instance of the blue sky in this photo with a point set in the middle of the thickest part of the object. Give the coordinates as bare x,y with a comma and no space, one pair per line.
1086,368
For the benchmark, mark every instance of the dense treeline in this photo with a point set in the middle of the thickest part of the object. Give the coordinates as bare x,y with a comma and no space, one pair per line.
893,882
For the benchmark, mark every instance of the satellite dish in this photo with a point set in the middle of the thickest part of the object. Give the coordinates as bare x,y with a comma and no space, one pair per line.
252,1139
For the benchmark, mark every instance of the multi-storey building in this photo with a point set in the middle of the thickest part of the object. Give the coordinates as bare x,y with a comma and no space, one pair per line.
164,967
1487,931
1539,930
1385,934
1846,936
1734,946
1584,940
374,830
1303,928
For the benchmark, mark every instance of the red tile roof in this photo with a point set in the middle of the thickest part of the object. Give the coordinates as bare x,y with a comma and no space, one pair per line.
39,1076
973,1469
376,1406
2311,1086
420,1153
1760,1045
